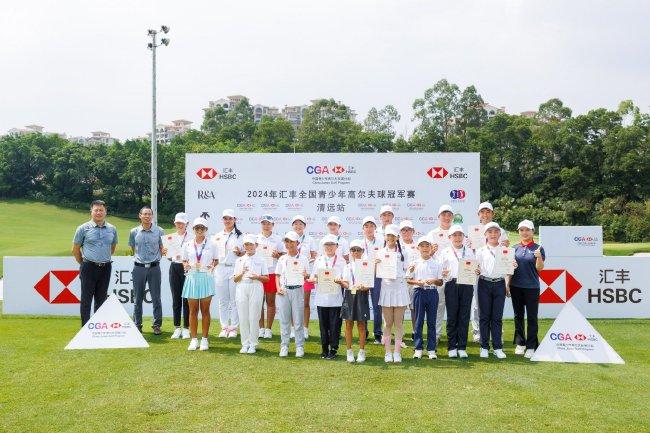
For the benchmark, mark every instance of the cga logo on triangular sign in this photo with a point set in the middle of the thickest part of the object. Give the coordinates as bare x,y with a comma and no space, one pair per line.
109,328
573,339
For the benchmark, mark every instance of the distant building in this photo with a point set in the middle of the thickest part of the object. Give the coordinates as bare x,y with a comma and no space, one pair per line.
294,113
260,111
32,129
100,137
492,111
166,133
529,114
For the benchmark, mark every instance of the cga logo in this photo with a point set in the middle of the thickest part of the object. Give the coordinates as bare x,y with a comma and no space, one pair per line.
566,336
457,194
64,296
552,295
323,169
207,173
437,172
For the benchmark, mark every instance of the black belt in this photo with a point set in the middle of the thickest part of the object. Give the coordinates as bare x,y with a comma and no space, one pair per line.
292,287
146,265
491,280
427,287
98,264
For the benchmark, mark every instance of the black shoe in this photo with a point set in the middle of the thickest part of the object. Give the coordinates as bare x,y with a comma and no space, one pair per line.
156,330
140,329
377,340
331,355
324,355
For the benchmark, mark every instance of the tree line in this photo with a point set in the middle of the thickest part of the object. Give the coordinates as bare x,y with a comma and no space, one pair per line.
553,167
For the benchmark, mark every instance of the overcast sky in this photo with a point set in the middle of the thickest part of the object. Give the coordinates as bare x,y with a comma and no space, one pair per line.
81,66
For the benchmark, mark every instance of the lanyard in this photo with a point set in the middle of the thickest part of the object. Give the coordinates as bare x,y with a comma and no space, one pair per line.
352,272
183,240
196,251
302,238
327,262
373,244
463,255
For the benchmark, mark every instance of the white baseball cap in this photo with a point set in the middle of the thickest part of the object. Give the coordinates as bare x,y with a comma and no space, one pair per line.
445,208
406,224
357,243
369,219
391,230
329,239
299,218
386,208
200,222
250,239
423,239
267,218
292,236
455,228
526,223
485,205
228,213
181,217
334,219
491,225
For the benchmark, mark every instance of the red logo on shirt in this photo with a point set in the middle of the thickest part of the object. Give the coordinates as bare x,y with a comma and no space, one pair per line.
437,172
551,295
49,287
207,173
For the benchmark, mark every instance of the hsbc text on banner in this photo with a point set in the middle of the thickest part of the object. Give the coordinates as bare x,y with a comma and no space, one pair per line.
317,185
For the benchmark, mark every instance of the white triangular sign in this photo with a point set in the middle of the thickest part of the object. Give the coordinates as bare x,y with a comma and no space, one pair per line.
109,328
573,339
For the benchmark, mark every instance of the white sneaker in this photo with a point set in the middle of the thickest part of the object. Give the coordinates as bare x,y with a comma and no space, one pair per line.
484,353
232,333
223,333
403,345
388,357
300,352
267,333
204,344
529,353
194,344
306,331
244,348
292,336
462,354
260,334
185,333
284,351
361,357
499,354
397,357
177,333
453,353
350,355
519,350
476,337
251,349
417,354
432,354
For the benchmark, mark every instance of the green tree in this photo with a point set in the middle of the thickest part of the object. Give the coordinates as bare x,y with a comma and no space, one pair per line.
327,126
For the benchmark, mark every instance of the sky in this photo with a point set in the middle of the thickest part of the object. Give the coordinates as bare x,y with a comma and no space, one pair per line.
81,66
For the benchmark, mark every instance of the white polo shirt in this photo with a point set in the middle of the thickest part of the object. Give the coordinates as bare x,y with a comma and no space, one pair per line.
255,263
273,242
451,257
343,248
486,257
224,269
426,269
371,248
336,265
204,252
281,268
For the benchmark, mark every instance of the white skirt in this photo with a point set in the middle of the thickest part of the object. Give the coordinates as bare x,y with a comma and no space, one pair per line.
394,293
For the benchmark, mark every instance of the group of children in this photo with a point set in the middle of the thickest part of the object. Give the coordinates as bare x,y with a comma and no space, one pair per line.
386,268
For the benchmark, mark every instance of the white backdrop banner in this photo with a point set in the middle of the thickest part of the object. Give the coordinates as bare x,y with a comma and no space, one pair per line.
572,241
317,185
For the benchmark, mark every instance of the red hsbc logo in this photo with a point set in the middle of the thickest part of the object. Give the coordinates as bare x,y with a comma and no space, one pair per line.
207,173
63,297
338,169
552,295
437,172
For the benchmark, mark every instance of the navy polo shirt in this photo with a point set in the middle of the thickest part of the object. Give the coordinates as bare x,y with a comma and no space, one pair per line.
526,275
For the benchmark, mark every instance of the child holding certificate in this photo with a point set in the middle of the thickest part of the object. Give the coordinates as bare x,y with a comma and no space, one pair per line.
327,273
199,258
290,278
426,277
358,279
458,271
492,291
306,248
392,263
372,244
250,273
177,275
271,248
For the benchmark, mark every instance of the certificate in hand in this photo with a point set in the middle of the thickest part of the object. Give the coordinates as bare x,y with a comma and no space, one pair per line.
476,237
504,261
387,267
267,252
441,239
326,282
173,244
467,272
220,242
294,274
364,273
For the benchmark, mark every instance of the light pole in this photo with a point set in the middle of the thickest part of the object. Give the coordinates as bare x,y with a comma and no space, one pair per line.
154,149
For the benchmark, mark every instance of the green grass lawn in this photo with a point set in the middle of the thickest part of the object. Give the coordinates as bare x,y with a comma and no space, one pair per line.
166,388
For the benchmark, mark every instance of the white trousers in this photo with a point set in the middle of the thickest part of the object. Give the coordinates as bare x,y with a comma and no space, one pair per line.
249,298
226,290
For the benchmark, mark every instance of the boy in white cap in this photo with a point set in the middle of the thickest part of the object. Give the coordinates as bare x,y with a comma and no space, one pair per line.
425,275
229,246
334,228
306,248
177,276
458,297
271,247
328,298
440,238
386,216
250,273
290,299
372,244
